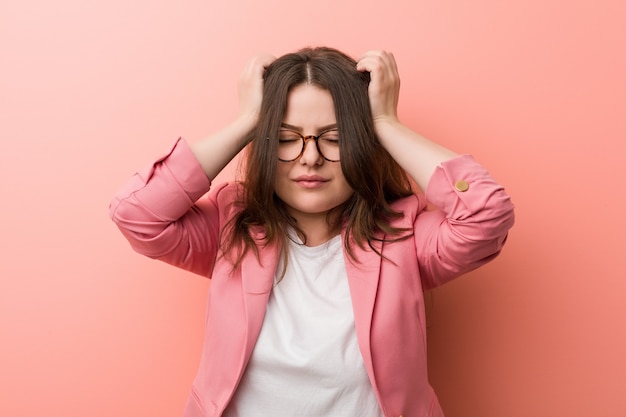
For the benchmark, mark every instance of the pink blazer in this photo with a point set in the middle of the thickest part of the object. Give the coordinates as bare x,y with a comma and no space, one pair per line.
163,215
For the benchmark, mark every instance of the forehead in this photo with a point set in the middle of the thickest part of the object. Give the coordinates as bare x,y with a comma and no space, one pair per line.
309,108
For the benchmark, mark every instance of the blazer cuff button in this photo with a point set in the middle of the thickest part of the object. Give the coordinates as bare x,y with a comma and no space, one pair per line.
461,185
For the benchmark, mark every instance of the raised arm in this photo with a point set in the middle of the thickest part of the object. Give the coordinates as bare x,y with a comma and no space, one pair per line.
217,150
474,212
417,155
158,211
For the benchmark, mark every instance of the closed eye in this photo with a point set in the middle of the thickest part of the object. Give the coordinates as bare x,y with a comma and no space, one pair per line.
330,136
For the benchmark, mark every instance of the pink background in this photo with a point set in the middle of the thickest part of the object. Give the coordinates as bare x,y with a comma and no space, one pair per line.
91,91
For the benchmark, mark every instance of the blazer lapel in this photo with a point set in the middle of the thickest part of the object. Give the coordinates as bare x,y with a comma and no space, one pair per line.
363,275
257,280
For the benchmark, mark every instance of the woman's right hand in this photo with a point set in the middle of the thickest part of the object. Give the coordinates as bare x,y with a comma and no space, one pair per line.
251,87
217,150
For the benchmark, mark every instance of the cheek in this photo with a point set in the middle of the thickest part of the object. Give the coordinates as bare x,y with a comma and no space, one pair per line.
281,178
345,189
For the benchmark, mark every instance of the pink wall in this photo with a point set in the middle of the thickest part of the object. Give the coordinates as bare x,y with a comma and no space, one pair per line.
535,89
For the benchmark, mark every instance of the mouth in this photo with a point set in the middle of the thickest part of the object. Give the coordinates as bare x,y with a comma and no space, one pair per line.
311,181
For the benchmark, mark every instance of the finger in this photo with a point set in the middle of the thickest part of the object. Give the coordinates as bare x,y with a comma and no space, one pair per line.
264,60
257,65
367,61
380,64
375,58
382,68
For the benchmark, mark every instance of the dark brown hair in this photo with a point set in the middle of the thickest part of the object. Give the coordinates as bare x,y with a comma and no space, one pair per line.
377,180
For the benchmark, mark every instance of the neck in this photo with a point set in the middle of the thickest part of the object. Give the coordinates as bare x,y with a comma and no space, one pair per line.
316,229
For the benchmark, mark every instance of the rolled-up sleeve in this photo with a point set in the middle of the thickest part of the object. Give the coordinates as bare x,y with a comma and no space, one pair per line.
157,211
469,225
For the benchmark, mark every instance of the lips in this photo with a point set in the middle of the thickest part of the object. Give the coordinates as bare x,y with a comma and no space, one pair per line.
310,181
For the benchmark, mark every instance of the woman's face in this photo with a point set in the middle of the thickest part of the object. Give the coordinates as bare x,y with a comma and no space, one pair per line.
310,185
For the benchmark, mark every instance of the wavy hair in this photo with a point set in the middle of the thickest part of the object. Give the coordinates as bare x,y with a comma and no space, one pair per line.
375,177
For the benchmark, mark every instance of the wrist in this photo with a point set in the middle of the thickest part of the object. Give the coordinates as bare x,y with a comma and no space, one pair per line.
384,125
245,124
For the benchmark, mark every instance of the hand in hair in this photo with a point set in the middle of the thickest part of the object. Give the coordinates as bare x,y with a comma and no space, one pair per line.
417,155
251,86
217,150
384,88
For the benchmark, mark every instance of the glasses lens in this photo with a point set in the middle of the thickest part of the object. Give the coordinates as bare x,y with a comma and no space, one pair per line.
289,145
328,144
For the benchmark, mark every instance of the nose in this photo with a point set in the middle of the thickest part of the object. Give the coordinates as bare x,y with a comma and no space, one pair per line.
310,155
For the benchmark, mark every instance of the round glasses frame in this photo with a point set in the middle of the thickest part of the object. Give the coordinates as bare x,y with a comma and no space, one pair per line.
305,139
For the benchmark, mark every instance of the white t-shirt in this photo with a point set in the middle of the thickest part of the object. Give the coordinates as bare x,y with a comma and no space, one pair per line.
306,362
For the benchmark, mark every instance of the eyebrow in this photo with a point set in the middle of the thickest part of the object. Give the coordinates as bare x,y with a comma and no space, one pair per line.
299,129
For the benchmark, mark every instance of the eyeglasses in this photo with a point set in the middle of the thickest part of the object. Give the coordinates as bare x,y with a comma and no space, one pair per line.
291,145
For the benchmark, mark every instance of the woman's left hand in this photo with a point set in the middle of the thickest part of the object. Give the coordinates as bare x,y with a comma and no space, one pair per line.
384,88
417,155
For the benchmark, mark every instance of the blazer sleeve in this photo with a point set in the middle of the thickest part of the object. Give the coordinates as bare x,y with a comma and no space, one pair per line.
159,213
469,224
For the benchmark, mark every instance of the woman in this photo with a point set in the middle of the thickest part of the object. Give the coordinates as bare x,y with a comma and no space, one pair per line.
320,257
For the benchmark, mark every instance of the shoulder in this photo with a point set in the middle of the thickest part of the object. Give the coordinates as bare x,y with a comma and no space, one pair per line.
410,207
227,196
226,193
